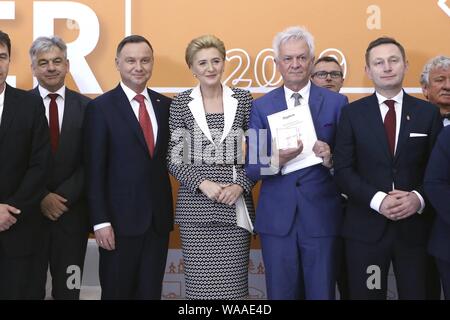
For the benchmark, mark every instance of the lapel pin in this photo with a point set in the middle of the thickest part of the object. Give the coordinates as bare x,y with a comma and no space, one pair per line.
407,117
157,100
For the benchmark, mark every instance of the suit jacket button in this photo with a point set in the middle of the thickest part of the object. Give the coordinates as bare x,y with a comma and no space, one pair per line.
297,184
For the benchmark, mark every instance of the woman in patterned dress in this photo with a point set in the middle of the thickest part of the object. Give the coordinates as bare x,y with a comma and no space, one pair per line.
207,124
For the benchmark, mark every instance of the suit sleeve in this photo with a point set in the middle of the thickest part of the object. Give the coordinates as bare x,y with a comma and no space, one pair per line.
72,188
178,158
257,158
437,177
348,180
32,186
242,179
96,162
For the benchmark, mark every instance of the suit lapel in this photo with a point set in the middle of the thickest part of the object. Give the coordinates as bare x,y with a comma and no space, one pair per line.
8,110
123,106
156,103
373,118
69,116
408,108
198,112
278,101
315,106
230,105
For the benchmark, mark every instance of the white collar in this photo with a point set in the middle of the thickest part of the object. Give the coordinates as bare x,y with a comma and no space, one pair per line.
398,98
44,92
131,94
304,92
230,105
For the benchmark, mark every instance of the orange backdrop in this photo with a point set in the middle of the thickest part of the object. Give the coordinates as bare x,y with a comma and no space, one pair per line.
341,28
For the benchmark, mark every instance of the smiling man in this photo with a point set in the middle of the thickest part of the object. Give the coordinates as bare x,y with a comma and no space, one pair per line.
64,212
382,147
129,193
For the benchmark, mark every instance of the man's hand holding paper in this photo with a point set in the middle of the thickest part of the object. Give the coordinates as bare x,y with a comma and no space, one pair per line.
287,125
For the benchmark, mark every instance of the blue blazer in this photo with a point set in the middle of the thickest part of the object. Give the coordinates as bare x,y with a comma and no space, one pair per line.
364,165
125,186
310,191
437,188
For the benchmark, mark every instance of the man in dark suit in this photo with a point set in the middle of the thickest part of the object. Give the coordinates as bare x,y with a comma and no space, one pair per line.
299,213
24,156
382,146
64,212
437,188
129,193
435,82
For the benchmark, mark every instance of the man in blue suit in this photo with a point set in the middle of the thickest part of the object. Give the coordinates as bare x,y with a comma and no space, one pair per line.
299,214
128,188
437,188
382,147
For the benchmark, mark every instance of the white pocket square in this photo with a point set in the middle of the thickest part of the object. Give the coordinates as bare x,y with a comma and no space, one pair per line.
414,135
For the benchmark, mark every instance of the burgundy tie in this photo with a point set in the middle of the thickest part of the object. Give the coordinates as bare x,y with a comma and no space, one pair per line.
389,124
146,124
53,121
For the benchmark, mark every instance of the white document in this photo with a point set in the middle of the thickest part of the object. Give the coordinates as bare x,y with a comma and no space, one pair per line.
283,124
242,216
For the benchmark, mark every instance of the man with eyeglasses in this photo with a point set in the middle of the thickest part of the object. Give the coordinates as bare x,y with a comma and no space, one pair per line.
328,74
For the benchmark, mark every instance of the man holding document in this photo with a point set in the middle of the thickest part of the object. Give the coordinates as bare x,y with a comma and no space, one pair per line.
292,131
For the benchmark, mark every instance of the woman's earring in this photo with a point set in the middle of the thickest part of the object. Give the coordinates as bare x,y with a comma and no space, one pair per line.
195,76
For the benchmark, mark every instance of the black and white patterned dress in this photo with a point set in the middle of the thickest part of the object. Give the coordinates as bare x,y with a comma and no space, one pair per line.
215,250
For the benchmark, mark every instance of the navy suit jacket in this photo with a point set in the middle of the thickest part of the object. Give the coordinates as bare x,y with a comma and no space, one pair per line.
24,165
311,189
364,165
125,186
437,188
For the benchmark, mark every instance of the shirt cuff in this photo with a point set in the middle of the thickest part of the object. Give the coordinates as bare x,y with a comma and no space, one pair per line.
274,169
422,202
376,201
101,226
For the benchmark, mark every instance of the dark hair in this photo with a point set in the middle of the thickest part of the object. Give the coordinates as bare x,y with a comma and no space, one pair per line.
327,59
6,41
384,40
132,39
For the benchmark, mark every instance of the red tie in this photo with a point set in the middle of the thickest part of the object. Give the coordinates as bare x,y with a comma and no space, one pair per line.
53,121
389,124
146,124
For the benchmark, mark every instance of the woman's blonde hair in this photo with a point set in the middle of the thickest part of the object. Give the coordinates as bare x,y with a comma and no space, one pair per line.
203,42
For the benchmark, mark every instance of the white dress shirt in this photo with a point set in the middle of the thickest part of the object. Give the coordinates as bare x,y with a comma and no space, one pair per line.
59,102
148,104
378,198
290,102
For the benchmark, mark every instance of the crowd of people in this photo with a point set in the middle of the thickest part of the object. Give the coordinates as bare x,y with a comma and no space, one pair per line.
371,188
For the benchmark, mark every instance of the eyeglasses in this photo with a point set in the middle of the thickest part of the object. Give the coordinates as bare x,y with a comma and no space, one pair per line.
324,74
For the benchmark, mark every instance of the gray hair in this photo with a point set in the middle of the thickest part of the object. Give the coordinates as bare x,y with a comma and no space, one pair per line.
296,33
436,62
45,44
